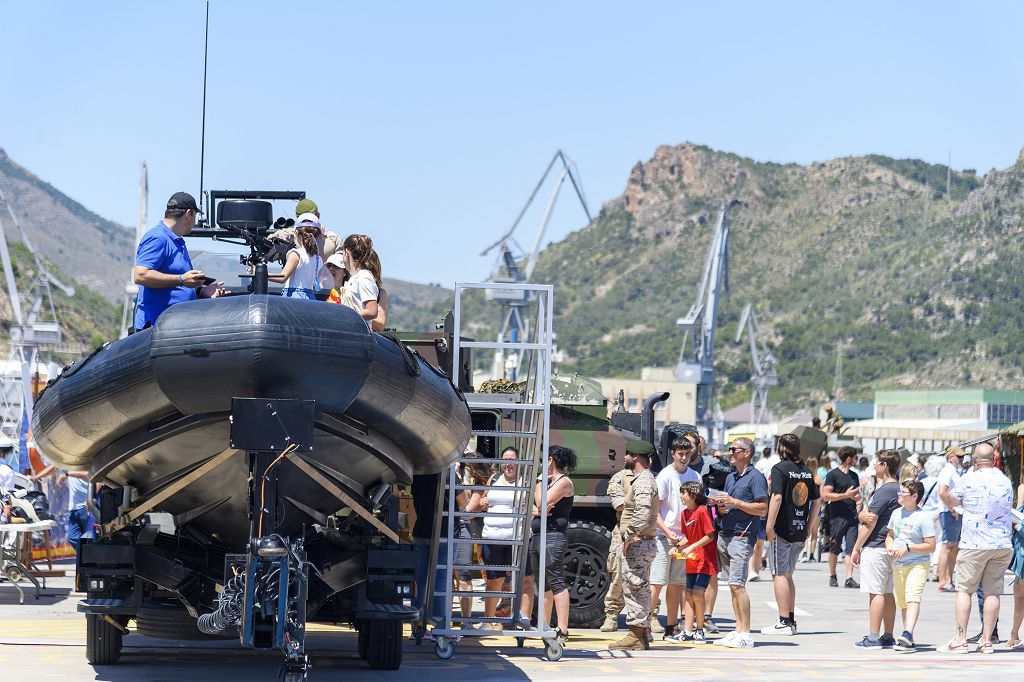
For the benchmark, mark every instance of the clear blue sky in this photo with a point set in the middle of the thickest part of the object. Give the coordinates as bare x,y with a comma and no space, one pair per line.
426,124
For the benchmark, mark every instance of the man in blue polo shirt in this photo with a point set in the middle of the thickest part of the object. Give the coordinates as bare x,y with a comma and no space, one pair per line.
741,505
163,268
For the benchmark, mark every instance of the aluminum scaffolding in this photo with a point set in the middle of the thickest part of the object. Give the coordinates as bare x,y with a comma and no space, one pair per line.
524,421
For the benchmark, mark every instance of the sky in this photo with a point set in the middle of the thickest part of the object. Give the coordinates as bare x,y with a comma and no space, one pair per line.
427,124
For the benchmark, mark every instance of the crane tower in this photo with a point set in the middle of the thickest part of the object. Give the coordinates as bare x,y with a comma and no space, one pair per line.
697,363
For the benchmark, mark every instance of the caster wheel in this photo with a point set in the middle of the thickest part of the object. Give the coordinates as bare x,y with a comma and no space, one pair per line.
520,642
553,649
444,648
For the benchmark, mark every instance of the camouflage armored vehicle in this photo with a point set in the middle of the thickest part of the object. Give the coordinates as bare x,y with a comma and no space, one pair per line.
579,420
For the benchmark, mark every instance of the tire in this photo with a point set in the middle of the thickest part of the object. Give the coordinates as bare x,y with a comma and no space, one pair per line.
553,650
173,622
444,648
586,571
384,644
103,641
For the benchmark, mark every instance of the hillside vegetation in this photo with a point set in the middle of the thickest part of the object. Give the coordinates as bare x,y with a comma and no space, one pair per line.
922,291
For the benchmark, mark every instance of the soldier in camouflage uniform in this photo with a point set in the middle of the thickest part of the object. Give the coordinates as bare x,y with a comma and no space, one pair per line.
613,603
833,420
638,526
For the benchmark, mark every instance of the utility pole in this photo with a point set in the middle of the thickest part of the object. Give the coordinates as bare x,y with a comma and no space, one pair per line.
130,289
837,380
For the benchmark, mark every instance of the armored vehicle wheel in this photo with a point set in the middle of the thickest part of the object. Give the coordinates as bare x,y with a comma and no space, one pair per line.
103,641
586,568
553,649
384,644
364,636
444,648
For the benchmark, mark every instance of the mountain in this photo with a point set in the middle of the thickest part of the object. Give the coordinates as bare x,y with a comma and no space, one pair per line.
922,291
93,251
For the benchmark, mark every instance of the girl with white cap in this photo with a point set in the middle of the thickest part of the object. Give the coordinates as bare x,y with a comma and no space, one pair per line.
301,272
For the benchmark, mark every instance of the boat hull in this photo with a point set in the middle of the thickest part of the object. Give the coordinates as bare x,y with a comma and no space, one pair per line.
148,410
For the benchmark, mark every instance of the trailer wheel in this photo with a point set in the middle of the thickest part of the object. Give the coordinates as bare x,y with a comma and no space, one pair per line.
103,641
444,648
384,644
586,571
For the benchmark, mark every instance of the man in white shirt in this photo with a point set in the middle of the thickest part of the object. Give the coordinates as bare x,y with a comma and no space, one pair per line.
668,571
949,517
986,496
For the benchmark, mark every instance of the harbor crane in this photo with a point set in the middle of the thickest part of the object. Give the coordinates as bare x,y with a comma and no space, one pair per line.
697,353
764,362
35,327
516,266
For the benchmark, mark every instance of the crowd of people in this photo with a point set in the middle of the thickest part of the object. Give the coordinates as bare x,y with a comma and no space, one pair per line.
319,265
710,521
888,522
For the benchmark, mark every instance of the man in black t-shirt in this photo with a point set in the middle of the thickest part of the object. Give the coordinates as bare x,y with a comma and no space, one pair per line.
841,493
876,574
794,502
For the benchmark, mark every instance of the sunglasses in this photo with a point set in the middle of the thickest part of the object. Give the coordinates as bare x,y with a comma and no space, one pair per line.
735,450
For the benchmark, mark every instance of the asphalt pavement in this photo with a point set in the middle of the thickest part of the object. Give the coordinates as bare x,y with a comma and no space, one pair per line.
44,639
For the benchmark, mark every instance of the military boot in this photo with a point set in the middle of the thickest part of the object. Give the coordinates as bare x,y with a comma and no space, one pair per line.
634,641
610,624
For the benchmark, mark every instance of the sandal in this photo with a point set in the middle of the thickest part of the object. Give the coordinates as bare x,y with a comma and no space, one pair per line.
1019,644
986,648
950,648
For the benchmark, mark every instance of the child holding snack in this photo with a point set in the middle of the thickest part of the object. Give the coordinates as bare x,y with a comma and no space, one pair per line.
698,547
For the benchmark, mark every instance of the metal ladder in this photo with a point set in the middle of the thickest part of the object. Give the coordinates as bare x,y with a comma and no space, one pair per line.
530,420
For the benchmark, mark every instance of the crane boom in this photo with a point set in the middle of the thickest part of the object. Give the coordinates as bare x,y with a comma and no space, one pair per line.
764,362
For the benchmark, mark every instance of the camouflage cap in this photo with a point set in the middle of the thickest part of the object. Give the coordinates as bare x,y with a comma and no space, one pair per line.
639,447
306,206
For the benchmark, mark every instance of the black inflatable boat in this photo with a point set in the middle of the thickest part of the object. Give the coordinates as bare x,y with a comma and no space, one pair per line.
149,409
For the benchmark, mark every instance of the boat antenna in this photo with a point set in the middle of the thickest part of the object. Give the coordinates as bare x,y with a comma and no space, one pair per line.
202,143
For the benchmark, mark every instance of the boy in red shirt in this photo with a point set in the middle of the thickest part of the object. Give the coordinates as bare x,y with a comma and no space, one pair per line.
698,547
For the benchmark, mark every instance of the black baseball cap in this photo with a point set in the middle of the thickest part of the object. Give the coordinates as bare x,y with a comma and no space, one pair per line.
182,200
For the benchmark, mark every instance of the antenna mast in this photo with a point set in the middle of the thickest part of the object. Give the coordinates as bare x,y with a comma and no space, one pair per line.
202,143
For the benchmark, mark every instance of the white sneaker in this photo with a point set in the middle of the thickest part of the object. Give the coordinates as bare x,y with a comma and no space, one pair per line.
728,638
744,641
779,628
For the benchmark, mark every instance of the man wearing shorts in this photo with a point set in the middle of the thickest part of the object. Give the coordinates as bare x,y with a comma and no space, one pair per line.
667,571
794,502
986,496
876,576
841,492
949,518
740,506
